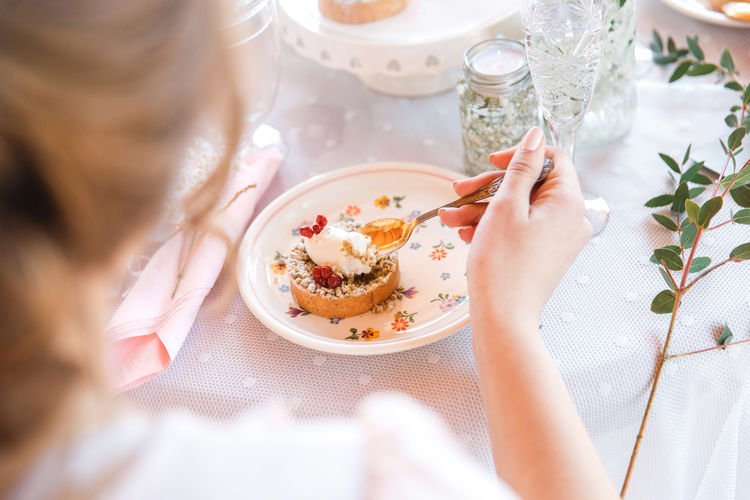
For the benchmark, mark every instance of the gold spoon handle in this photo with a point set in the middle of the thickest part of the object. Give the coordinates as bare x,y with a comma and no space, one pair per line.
487,191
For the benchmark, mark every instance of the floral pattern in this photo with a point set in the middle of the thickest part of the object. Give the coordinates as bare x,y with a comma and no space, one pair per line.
383,202
278,266
367,334
447,302
415,246
353,211
409,293
445,276
293,312
402,320
438,254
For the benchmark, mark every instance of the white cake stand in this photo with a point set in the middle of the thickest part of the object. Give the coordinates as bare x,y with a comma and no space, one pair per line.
417,52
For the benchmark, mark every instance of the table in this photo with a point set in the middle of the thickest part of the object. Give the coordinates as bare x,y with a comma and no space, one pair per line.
597,325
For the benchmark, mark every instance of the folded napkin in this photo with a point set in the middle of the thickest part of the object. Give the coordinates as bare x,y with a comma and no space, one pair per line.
148,329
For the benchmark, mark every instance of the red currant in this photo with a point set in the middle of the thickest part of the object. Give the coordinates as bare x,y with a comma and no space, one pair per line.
325,277
321,221
317,273
317,229
334,281
306,232
326,272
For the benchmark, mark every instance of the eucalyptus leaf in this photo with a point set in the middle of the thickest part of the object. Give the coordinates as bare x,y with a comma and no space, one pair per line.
731,120
663,303
726,60
742,216
664,59
727,180
741,195
667,278
726,335
696,191
671,46
742,177
691,172
708,210
699,264
669,258
735,138
701,69
695,48
734,86
660,201
746,95
687,235
741,252
680,71
657,45
702,180
686,157
665,221
680,196
671,163
692,209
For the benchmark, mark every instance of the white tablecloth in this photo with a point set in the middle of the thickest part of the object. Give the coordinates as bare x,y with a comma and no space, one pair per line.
597,326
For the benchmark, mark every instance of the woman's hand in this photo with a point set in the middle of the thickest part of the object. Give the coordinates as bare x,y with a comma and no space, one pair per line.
524,239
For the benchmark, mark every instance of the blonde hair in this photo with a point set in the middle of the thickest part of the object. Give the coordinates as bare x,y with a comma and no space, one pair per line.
97,101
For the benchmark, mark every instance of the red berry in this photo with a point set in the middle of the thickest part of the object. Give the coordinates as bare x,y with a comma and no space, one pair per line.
306,232
325,272
317,229
317,273
334,281
321,221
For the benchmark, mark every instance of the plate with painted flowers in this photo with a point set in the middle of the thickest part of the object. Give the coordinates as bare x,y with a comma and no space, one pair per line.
431,301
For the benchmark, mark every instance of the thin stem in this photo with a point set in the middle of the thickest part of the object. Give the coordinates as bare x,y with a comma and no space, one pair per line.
729,157
654,386
709,349
564,135
674,283
717,226
705,273
731,184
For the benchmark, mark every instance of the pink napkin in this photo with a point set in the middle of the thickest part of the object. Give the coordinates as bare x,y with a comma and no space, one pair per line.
148,329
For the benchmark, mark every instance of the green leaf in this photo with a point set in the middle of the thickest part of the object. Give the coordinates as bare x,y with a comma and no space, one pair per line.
695,48
667,279
622,3
741,196
680,71
687,235
669,257
699,264
663,303
708,210
742,177
735,138
742,216
660,201
671,163
734,86
691,172
701,179
731,120
665,221
741,252
680,196
701,69
726,335
746,95
686,157
663,60
726,60
657,46
671,46
692,209
696,191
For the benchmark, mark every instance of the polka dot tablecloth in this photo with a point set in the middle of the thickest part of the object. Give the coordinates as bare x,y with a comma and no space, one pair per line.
597,325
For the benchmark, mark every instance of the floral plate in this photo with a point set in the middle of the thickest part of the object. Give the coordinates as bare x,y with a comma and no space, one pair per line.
432,299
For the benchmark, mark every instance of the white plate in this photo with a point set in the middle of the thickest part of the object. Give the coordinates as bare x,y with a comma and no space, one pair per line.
433,298
699,9
418,51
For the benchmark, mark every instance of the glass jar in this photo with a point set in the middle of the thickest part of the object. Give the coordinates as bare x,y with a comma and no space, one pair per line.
613,107
498,104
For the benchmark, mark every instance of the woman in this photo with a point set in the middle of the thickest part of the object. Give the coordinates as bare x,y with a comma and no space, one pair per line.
97,101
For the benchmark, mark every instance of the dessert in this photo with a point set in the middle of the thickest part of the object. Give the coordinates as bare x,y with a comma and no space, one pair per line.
360,11
335,272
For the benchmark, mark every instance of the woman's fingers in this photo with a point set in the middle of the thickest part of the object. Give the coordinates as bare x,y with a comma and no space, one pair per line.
467,233
523,169
467,215
472,184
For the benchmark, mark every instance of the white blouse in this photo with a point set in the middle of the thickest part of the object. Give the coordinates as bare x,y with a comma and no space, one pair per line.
394,449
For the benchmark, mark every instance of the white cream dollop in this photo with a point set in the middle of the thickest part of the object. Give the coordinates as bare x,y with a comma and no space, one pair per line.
346,252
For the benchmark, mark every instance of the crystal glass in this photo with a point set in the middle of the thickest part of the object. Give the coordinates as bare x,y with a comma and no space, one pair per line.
564,44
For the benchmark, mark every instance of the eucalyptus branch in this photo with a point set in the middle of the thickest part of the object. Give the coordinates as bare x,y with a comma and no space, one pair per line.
689,219
708,349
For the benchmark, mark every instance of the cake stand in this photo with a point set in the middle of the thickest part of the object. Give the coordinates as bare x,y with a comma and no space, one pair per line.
416,52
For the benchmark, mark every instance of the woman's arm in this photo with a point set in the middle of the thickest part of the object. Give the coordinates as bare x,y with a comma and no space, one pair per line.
523,241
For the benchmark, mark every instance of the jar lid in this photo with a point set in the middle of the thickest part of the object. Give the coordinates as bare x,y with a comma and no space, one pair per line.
496,66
